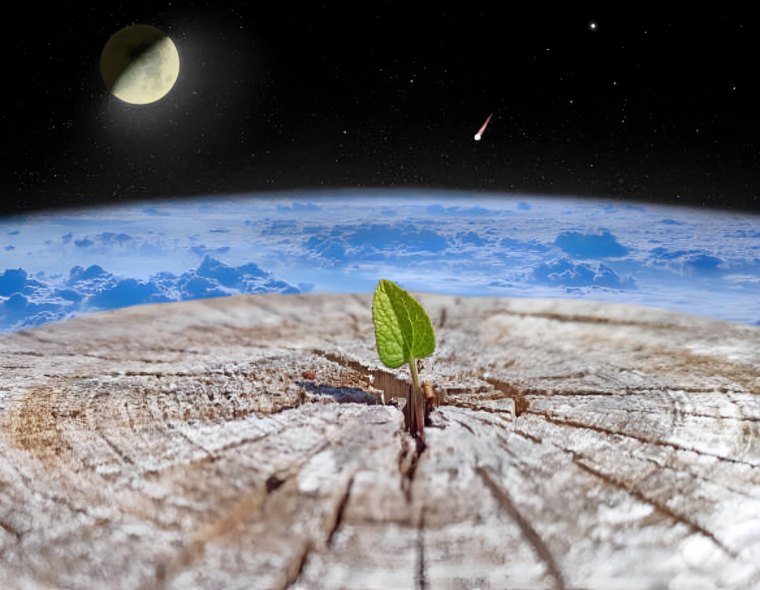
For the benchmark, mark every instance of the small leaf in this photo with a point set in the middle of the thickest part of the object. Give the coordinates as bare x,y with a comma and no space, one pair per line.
403,331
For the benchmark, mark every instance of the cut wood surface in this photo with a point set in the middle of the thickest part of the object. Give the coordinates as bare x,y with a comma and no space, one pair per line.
242,443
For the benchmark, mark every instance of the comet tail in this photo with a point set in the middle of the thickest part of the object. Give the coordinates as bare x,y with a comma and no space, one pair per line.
482,130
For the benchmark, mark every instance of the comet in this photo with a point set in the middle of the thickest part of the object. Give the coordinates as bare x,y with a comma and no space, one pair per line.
482,130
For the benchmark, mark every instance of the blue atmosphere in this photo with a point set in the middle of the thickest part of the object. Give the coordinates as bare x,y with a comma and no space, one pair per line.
58,265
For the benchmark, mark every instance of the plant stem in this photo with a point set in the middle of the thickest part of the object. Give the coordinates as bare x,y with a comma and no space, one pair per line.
413,369
416,411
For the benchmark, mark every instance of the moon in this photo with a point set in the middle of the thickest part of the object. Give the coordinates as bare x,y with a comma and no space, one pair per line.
139,64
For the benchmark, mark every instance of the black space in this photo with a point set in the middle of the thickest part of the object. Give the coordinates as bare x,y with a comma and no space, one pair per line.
649,106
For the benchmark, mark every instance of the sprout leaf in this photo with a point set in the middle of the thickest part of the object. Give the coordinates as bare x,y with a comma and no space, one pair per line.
403,330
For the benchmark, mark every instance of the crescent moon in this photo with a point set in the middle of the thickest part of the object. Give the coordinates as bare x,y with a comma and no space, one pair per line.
139,64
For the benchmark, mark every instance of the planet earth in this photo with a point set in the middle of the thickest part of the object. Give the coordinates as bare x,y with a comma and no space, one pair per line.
59,264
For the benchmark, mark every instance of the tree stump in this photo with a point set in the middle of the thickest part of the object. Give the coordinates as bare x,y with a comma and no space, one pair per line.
243,443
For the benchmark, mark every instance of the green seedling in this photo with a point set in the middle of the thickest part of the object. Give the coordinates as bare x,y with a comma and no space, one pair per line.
404,334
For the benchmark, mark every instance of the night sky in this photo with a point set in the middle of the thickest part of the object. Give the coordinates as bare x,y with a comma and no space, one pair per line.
642,106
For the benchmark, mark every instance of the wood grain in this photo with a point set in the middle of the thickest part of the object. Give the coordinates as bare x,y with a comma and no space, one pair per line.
242,443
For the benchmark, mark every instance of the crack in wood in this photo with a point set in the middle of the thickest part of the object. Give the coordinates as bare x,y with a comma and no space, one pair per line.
213,456
390,384
157,374
283,408
297,565
409,455
340,394
522,403
194,444
644,439
355,324
464,405
702,478
682,413
207,532
123,457
253,502
248,440
210,456
421,581
659,464
13,531
621,391
528,436
338,522
531,535
582,460
273,483
630,488
394,387
442,317
130,419
463,425
292,470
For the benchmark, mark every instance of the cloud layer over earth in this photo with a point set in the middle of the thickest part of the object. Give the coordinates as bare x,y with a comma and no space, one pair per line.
29,301
54,266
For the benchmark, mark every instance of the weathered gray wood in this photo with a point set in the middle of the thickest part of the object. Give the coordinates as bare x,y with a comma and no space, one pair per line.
239,443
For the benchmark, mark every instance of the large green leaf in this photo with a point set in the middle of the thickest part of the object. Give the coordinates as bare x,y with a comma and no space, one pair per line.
403,331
